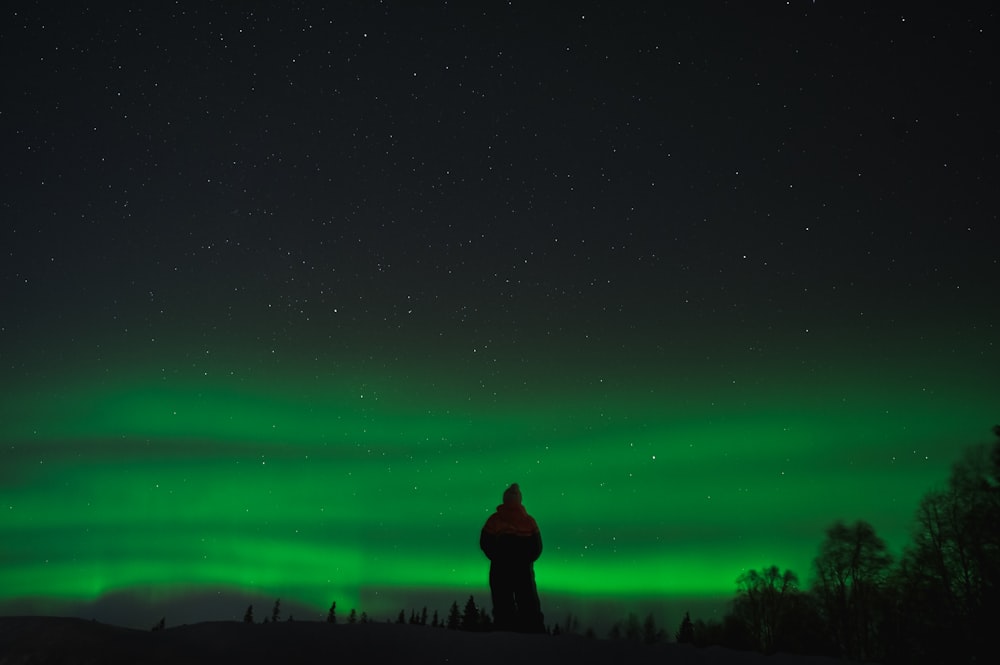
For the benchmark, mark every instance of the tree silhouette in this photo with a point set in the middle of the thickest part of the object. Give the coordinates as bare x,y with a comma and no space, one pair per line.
763,604
248,615
685,633
851,572
470,617
615,632
948,578
632,630
331,616
454,617
353,616
938,604
276,612
650,635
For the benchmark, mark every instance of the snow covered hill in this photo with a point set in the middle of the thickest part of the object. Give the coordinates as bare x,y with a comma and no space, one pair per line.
46,640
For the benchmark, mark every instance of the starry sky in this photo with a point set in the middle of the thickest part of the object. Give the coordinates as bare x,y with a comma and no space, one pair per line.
291,293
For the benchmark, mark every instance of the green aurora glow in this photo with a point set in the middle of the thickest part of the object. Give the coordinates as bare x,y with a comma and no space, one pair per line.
368,489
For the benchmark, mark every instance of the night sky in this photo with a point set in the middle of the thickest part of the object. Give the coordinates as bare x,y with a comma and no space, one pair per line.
290,294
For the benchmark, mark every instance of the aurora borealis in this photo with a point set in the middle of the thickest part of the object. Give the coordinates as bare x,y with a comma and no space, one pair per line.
291,295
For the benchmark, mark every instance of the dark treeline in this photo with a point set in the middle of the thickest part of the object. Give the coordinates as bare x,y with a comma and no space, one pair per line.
937,603
472,618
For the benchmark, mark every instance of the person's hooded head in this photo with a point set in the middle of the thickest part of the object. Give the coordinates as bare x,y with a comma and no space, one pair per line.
512,495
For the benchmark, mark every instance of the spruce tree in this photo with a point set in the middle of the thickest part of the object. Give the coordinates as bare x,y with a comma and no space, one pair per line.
353,616
470,617
248,616
454,618
632,629
331,616
685,634
650,634
276,612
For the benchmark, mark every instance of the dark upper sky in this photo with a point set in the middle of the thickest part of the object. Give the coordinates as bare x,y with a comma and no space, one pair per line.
515,167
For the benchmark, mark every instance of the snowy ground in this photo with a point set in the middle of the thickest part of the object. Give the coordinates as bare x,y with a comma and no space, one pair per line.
65,640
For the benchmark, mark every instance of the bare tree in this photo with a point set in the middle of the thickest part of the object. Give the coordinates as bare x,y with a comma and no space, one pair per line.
852,571
950,575
763,603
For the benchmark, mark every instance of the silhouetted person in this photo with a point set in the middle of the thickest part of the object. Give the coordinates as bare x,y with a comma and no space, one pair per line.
512,541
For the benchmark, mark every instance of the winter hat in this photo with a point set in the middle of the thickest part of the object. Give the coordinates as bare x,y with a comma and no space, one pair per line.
512,494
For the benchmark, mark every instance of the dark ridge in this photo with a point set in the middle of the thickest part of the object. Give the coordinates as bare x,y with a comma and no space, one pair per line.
54,640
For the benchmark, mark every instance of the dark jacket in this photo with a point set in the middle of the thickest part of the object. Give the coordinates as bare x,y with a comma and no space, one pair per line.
511,535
